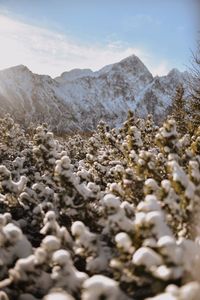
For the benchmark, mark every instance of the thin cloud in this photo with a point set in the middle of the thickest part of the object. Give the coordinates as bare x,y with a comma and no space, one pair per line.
140,20
48,52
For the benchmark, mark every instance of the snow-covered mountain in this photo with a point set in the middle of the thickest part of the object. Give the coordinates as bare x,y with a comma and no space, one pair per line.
78,99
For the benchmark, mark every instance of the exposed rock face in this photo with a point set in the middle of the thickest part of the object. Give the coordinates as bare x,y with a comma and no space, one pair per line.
78,99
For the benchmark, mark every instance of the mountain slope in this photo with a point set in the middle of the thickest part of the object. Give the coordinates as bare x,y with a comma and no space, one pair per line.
31,98
78,99
159,94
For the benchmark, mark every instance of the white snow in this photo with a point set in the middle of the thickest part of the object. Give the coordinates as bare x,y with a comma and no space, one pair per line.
58,296
147,257
123,240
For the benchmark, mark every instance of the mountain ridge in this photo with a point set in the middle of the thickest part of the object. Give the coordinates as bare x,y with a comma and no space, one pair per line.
79,98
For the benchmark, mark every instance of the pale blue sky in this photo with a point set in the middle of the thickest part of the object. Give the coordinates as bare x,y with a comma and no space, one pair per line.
51,36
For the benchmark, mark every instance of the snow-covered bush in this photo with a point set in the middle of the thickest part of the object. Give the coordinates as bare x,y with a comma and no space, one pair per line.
109,215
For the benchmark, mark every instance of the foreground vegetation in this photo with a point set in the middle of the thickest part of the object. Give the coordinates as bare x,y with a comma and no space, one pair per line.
113,216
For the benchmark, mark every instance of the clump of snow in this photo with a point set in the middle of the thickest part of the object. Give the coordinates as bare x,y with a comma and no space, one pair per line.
99,286
58,296
146,257
123,241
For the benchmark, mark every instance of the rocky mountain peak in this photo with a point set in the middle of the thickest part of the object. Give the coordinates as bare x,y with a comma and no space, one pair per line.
16,69
131,61
174,73
132,65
